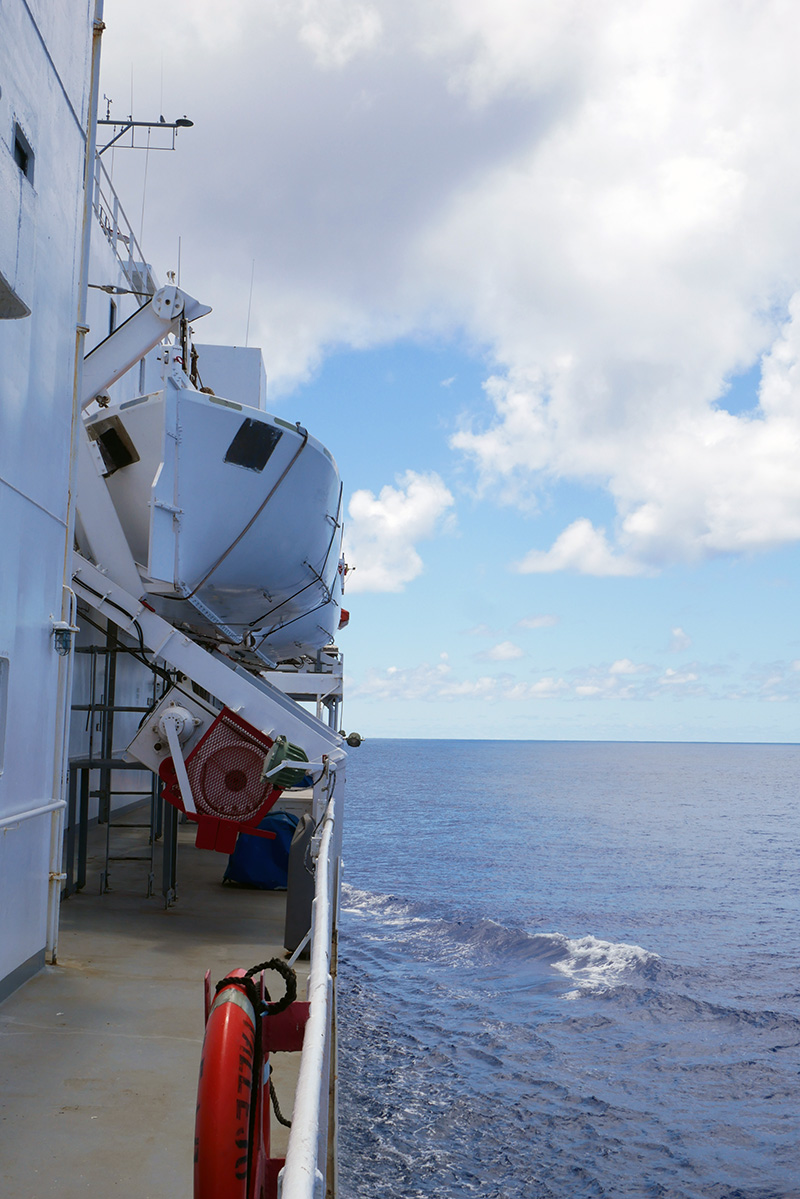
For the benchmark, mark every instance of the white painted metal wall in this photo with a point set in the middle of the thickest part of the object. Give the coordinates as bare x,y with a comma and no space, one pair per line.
44,76
236,372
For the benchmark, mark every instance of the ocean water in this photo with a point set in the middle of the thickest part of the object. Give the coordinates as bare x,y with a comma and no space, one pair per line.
571,970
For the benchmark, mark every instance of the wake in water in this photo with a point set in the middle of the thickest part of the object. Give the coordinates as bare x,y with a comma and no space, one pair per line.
587,961
469,1074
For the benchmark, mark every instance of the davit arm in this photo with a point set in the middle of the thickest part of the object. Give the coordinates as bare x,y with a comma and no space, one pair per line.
161,315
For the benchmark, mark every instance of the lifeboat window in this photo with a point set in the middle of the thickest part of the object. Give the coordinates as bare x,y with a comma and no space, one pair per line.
116,448
253,444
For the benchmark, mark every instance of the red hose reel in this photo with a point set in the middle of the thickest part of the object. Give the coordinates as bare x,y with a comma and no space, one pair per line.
225,771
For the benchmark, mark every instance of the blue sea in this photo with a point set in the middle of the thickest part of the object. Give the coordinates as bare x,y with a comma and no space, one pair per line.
570,969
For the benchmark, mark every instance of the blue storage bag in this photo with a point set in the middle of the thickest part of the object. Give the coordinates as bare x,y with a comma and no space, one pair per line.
261,862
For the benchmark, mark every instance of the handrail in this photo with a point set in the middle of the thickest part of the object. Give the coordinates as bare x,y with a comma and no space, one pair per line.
20,817
119,231
300,1177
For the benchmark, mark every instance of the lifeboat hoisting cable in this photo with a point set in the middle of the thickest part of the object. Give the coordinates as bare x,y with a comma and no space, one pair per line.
317,578
304,434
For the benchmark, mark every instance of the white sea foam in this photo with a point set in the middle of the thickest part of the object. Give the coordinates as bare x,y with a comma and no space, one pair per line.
390,910
588,961
593,963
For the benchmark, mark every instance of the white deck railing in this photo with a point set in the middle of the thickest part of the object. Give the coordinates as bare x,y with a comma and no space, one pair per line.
303,1175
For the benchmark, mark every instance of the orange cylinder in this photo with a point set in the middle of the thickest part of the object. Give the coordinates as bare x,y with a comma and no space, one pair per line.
224,1097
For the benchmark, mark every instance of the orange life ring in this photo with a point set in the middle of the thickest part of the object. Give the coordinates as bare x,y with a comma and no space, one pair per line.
226,1091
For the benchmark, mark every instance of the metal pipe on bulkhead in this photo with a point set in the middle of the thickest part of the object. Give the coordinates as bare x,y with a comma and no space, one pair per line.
65,663
15,819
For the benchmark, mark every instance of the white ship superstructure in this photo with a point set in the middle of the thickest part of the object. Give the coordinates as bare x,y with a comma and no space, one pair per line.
171,588
44,118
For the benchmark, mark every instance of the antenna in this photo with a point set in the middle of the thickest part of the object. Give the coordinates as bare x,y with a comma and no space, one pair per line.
144,187
250,303
125,125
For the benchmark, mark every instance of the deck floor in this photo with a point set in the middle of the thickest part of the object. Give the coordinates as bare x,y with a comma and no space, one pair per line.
99,1055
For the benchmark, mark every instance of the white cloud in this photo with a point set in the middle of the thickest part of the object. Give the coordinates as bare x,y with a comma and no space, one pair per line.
583,548
537,622
337,30
644,280
680,640
686,487
776,682
623,681
383,531
625,666
504,651
684,680
431,683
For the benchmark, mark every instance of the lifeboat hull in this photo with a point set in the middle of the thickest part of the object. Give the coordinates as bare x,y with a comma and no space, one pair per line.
233,517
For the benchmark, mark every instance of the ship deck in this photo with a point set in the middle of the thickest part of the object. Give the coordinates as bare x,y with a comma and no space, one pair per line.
99,1055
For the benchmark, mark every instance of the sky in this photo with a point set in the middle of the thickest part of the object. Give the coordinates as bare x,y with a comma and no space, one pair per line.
531,270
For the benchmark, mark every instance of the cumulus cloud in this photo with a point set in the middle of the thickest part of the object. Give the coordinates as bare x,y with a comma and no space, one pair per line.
680,641
664,282
626,666
686,488
383,531
504,651
621,681
677,678
537,622
583,548
440,682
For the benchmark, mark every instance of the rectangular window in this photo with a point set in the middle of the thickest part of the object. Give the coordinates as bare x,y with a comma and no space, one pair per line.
23,154
11,306
116,448
3,709
253,444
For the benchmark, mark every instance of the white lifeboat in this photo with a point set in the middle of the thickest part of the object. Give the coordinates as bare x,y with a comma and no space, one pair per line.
233,516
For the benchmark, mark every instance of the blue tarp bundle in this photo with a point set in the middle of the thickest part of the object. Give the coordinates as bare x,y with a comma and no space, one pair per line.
259,861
